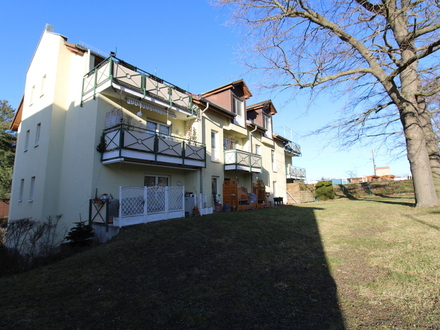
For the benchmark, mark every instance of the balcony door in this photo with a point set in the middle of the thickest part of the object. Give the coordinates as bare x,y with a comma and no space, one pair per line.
162,129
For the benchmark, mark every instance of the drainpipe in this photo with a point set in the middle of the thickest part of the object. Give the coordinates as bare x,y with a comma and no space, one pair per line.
252,152
203,111
201,170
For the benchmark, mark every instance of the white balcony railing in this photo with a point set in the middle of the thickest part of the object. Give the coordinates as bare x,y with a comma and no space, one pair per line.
293,172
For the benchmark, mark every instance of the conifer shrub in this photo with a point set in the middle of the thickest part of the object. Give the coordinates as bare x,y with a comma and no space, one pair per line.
324,190
81,234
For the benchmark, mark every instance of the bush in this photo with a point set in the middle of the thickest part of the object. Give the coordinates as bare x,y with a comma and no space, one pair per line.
26,243
324,190
81,234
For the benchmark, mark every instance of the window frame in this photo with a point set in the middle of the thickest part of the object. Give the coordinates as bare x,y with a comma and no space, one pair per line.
32,190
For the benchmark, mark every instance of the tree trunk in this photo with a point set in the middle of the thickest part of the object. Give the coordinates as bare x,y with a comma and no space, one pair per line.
433,150
418,157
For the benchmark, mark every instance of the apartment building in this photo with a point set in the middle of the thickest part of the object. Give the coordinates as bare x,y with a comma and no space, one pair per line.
95,128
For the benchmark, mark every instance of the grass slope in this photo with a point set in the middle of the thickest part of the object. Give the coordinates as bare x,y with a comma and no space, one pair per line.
328,265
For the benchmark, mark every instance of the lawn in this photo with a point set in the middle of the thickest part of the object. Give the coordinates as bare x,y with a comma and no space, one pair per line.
371,263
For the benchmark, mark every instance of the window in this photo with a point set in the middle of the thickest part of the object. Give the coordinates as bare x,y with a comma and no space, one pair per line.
156,180
154,127
20,195
43,85
268,125
31,101
26,141
258,149
275,189
214,189
229,143
214,146
238,108
31,191
274,164
37,135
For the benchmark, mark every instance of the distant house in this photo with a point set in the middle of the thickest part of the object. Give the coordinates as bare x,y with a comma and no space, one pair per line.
381,171
95,128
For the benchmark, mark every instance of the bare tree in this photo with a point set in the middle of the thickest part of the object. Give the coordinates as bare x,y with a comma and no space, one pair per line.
379,53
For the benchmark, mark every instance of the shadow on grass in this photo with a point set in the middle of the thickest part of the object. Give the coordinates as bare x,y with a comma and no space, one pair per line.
392,200
261,269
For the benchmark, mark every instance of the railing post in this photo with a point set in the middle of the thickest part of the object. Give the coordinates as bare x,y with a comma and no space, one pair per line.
156,145
95,81
121,139
183,155
250,162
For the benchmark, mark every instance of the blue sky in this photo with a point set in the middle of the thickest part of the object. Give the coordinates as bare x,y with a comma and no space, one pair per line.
188,43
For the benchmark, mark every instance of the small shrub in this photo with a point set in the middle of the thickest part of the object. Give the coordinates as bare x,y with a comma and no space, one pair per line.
81,234
28,242
324,190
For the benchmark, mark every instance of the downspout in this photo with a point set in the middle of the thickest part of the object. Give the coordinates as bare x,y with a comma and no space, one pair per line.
203,111
202,127
252,151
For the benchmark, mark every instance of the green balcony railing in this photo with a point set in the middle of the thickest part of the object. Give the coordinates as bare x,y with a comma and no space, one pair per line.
125,142
242,160
113,70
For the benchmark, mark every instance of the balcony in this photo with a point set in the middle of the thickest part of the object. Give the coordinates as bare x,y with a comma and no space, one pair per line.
292,148
114,74
125,143
242,161
297,173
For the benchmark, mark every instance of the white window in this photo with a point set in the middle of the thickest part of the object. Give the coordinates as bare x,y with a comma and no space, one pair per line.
275,189
20,196
268,126
258,149
214,146
31,191
26,141
37,135
31,101
273,159
154,127
43,85
156,180
229,143
238,108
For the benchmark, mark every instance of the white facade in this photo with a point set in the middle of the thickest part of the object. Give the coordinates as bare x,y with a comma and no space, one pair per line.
154,134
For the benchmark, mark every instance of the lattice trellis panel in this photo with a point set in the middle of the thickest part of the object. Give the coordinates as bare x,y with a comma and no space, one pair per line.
175,198
155,199
132,201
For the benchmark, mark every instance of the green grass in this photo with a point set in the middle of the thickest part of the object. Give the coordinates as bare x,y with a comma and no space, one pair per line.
371,263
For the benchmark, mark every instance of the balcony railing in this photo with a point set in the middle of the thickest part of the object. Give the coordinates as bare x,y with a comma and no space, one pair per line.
292,148
242,160
293,172
113,71
125,143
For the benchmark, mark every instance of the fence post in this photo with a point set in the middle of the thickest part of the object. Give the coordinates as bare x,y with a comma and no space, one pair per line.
167,199
120,203
145,201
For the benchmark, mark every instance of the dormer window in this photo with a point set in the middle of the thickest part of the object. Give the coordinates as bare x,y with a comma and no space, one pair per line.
268,125
238,109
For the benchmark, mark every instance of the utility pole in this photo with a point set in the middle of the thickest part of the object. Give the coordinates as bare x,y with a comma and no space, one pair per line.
374,164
